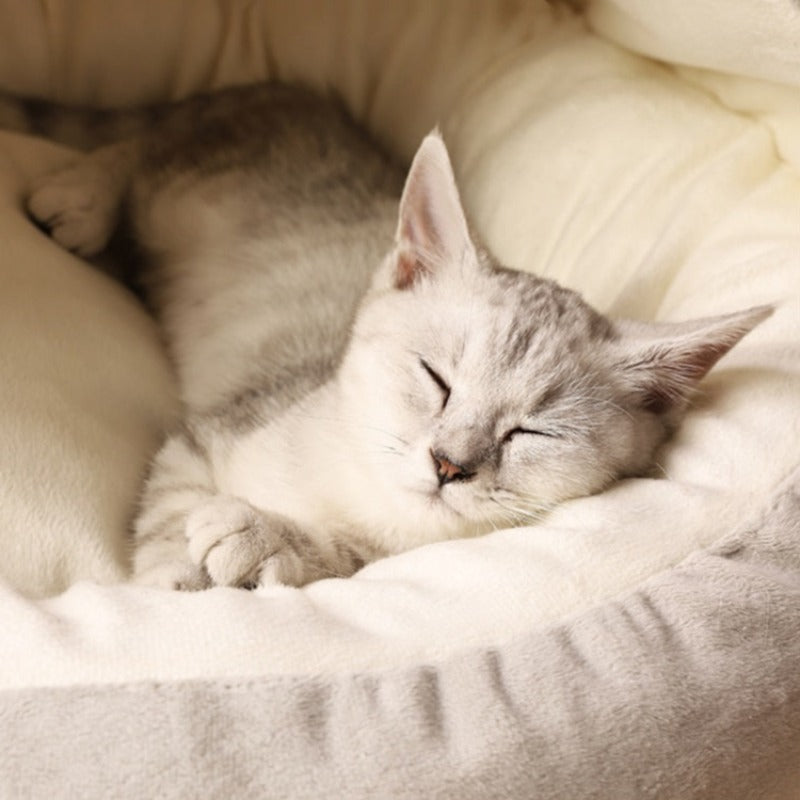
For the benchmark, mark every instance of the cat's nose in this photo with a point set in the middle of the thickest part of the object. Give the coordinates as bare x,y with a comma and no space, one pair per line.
447,470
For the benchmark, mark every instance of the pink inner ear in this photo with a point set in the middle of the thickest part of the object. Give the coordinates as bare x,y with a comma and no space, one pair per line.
673,374
668,372
413,237
432,230
407,269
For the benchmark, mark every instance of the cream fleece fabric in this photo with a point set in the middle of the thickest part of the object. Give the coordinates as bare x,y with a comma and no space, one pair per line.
578,160
685,689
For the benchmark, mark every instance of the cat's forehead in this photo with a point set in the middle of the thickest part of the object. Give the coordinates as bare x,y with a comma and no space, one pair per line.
534,320
524,293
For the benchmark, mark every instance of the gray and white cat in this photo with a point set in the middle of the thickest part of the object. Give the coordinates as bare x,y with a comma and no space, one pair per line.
359,378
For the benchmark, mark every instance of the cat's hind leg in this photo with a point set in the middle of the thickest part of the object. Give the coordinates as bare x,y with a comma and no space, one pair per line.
80,204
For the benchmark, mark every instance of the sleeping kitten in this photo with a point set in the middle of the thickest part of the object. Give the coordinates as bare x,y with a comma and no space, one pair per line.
359,377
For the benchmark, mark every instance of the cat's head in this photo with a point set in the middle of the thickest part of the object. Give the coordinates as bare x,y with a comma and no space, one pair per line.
485,396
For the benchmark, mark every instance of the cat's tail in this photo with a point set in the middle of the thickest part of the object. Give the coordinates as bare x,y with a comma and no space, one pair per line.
80,127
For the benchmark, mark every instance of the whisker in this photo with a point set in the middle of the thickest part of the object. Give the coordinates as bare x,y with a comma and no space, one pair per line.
352,423
661,468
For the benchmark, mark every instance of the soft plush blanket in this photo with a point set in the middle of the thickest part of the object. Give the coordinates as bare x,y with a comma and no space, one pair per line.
628,637
645,697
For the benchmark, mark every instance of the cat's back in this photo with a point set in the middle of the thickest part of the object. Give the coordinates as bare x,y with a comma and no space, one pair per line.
264,210
271,151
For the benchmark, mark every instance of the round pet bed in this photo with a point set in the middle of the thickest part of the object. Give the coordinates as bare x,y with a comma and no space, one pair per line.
641,643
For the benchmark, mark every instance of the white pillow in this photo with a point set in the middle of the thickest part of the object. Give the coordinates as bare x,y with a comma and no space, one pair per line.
747,38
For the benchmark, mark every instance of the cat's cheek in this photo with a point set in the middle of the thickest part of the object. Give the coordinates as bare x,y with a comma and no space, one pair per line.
573,472
538,476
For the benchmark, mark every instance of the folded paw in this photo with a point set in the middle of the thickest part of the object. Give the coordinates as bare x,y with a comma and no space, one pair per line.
240,545
78,205
178,575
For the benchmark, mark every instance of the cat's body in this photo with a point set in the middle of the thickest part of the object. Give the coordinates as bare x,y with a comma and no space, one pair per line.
354,386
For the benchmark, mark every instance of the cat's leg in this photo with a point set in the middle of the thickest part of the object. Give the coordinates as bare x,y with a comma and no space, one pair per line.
240,545
180,480
188,536
80,204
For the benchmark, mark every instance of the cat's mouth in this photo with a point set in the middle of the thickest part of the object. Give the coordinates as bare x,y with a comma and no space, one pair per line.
435,500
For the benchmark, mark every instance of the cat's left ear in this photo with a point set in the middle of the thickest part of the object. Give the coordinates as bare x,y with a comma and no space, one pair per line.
664,362
432,231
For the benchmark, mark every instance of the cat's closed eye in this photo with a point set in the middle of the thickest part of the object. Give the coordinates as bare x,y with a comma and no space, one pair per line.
519,431
438,380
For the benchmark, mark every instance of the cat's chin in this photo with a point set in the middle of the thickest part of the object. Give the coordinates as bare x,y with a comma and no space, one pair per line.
437,501
437,512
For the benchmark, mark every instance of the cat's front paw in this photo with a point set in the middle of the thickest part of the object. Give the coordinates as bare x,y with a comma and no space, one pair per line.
177,575
78,205
240,545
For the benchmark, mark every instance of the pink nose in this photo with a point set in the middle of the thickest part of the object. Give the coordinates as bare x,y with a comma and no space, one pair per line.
447,470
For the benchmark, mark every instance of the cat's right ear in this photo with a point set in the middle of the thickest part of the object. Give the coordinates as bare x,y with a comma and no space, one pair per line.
432,231
665,361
